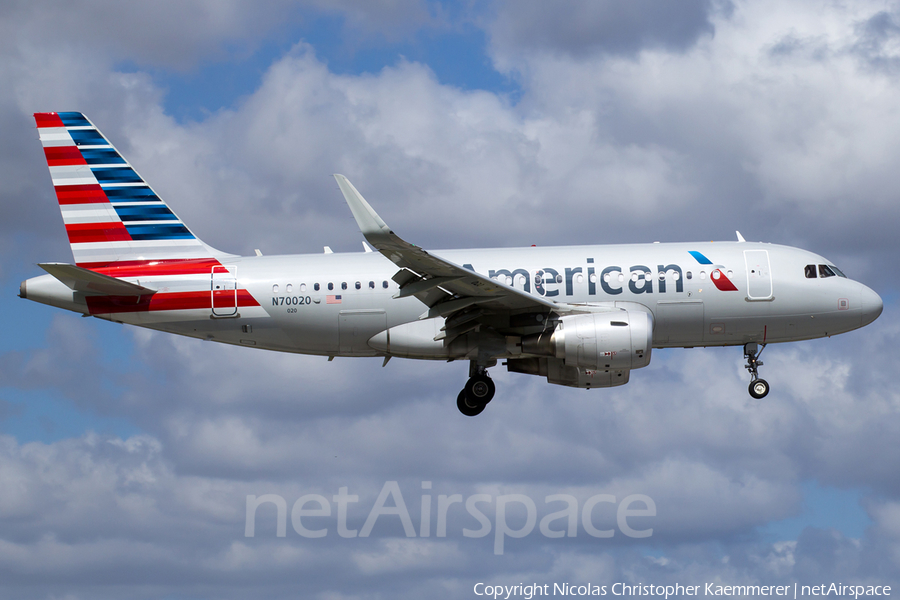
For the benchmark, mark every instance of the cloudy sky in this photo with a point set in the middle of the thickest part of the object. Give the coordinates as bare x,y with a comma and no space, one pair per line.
127,456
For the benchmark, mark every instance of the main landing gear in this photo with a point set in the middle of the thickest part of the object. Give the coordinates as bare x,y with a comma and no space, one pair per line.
478,392
758,387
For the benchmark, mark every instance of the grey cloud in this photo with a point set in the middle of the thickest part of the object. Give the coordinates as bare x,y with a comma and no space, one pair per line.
825,553
171,34
393,19
179,35
815,48
580,28
70,359
876,36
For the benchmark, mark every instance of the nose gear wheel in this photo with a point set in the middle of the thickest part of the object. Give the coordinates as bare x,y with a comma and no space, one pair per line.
759,388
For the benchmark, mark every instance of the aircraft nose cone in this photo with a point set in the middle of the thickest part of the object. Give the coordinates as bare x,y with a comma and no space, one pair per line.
871,305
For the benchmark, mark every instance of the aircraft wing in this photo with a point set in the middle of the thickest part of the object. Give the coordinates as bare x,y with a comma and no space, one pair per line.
442,285
92,283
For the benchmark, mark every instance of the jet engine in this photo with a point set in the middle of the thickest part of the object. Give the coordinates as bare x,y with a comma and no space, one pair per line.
607,340
589,350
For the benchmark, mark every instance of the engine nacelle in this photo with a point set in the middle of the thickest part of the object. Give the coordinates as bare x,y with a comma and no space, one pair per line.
620,340
557,372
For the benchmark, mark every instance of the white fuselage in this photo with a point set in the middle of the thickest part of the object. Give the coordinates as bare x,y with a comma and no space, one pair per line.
336,304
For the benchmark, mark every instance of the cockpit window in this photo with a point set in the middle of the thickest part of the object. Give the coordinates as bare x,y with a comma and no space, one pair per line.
837,271
810,271
825,271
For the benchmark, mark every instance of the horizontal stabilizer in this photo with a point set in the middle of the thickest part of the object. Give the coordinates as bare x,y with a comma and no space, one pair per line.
93,283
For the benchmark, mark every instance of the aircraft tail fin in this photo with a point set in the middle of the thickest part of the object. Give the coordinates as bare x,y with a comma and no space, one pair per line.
112,215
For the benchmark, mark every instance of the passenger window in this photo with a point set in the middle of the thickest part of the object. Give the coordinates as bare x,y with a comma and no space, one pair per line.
384,284
344,285
371,285
330,286
358,285
689,275
316,287
275,289
810,271
825,271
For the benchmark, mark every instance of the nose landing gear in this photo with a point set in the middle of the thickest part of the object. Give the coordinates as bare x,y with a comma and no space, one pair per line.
478,392
758,387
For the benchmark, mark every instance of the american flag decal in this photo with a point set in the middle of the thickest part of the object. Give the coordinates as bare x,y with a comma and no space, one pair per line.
333,299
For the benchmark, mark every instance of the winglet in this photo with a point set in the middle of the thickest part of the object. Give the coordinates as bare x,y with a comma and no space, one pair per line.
740,237
430,273
372,226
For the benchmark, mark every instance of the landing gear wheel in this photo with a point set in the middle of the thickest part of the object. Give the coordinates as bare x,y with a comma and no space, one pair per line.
759,388
480,389
468,407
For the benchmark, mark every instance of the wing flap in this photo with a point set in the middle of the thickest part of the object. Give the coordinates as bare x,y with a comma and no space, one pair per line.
423,285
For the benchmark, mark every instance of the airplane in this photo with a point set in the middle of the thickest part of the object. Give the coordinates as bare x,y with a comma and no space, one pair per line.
580,316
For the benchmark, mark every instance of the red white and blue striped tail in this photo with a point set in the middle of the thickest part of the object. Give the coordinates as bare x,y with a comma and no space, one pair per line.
111,214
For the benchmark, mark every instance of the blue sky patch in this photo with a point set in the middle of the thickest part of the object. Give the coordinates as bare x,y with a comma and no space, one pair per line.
824,507
457,56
